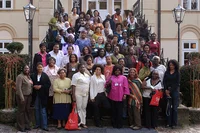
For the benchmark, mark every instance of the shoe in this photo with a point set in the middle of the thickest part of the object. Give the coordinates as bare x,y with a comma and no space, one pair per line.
27,129
59,128
131,126
136,128
36,127
84,126
22,130
45,129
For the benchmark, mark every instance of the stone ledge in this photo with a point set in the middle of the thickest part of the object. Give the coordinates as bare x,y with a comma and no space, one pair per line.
183,115
194,115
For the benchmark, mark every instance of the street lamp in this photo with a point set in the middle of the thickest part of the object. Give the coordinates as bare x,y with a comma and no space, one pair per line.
178,13
29,12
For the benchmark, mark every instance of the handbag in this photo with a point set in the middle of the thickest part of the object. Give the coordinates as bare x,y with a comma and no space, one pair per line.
156,98
72,122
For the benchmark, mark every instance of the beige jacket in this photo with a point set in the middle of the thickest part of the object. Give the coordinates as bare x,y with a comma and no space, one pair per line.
23,86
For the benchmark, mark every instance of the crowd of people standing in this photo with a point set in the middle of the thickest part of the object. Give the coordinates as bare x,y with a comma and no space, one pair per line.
109,63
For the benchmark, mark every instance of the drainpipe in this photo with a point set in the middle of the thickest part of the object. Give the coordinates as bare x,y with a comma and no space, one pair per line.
159,20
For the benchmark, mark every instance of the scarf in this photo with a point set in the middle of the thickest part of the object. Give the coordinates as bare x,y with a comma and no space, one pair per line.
135,93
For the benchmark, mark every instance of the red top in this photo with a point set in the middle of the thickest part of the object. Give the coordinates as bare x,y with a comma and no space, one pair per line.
44,62
154,47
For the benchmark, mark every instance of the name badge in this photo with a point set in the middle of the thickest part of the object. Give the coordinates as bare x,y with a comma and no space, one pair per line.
154,42
73,69
95,50
116,84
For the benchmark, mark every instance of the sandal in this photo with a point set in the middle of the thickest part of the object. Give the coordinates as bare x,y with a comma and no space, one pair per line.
84,126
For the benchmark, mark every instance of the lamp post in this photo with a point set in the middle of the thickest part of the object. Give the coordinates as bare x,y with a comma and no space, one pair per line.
178,13
29,12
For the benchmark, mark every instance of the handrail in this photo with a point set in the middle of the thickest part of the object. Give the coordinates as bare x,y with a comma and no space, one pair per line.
136,8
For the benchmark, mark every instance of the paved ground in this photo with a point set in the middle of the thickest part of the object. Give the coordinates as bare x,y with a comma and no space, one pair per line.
188,129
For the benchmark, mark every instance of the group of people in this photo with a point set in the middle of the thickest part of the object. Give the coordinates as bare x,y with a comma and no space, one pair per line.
98,62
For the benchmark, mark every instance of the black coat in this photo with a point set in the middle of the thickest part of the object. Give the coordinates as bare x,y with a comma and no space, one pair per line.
43,92
38,58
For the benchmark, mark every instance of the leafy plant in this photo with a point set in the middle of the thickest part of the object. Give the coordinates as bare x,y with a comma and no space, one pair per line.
15,47
11,67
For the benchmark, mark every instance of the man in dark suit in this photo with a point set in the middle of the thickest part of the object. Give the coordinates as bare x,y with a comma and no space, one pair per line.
41,56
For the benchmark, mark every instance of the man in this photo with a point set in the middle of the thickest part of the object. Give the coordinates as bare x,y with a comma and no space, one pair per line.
65,60
41,56
117,18
112,23
57,54
83,41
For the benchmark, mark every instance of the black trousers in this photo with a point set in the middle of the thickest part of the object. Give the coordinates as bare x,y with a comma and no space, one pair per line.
100,99
150,113
23,114
117,113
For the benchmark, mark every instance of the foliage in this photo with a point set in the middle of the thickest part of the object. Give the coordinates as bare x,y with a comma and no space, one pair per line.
15,47
190,81
11,67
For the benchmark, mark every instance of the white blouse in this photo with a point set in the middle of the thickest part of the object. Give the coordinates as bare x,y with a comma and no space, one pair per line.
82,83
97,85
147,92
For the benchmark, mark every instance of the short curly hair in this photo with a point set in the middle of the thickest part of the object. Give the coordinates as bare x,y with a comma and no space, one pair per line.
95,67
62,69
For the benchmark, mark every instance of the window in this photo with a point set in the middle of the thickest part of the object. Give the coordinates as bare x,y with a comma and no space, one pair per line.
6,4
190,4
188,47
3,44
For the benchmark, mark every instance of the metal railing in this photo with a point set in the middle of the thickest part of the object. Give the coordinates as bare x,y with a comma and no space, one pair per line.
136,8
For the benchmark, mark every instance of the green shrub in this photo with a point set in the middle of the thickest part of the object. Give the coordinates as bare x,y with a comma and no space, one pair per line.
15,47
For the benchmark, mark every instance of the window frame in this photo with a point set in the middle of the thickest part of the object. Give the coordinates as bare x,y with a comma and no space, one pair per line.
189,5
4,50
189,50
4,5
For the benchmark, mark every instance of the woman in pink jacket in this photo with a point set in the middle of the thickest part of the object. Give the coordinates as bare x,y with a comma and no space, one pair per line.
117,92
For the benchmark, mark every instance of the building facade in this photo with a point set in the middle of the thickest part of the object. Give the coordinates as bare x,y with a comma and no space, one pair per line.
13,26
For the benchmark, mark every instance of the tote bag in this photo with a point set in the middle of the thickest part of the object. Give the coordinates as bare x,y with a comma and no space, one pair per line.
72,123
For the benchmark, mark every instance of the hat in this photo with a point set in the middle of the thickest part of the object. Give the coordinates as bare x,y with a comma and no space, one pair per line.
83,31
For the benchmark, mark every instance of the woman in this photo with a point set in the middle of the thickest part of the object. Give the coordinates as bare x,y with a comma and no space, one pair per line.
53,26
143,59
118,31
70,42
108,48
80,90
71,67
100,59
97,93
118,91
130,44
97,15
108,68
86,51
116,55
62,98
100,42
23,97
145,70
146,49
171,83
149,86
134,99
107,26
97,33
73,17
96,23
89,64
60,24
131,59
41,85
51,70
157,66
